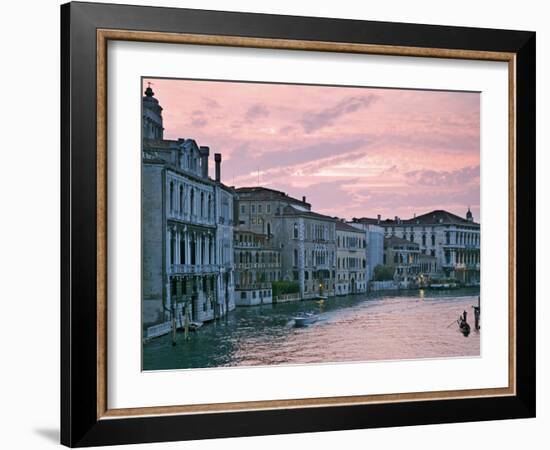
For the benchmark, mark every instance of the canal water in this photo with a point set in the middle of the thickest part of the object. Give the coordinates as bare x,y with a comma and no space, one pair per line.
375,326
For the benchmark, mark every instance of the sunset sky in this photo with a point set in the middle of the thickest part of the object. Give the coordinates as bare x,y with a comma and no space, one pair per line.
352,152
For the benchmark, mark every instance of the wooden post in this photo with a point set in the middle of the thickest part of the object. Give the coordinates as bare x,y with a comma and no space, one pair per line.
186,326
174,325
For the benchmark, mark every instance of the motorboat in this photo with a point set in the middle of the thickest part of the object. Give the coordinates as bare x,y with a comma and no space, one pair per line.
194,326
304,320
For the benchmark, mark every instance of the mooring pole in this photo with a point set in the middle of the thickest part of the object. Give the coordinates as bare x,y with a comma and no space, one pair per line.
186,326
173,325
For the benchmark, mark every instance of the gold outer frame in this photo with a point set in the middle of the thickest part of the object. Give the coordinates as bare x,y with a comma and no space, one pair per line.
103,36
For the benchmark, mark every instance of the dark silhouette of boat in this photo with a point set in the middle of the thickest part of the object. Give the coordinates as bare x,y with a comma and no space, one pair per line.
464,328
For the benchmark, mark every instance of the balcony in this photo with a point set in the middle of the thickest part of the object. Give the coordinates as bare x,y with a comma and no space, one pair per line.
461,266
252,286
193,219
461,246
190,269
245,266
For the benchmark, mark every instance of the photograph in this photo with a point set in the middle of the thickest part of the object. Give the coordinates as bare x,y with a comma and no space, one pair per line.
307,224
272,224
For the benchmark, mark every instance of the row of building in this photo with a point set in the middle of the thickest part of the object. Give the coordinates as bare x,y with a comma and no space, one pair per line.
207,247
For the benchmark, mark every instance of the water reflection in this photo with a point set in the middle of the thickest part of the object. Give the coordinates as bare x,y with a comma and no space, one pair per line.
355,328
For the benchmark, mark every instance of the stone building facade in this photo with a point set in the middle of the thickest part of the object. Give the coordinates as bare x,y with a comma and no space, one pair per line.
428,270
257,265
454,241
308,250
187,220
306,240
351,259
374,251
258,208
402,256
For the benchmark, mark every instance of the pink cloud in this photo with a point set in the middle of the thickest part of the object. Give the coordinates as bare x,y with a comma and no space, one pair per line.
351,151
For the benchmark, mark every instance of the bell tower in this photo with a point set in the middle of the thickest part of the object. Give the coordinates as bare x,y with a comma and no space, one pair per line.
152,116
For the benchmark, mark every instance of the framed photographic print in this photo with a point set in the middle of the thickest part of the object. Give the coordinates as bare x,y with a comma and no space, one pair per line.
277,224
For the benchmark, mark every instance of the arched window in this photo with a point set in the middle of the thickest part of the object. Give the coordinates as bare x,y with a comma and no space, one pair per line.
192,201
182,202
182,249
171,196
202,204
172,248
209,207
193,250
268,229
173,287
295,230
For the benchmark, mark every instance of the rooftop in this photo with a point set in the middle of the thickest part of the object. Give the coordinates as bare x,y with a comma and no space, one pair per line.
342,226
289,210
437,216
392,241
263,193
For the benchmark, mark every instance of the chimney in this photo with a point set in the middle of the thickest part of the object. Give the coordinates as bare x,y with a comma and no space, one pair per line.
218,160
378,217
204,152
304,198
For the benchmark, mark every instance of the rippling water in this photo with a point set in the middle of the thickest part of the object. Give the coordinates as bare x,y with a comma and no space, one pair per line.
354,328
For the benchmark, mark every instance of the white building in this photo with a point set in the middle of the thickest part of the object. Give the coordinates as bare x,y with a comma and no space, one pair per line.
454,241
374,251
351,259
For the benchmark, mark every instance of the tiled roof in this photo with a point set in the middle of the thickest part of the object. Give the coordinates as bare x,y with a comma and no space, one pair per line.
263,193
394,240
434,217
437,216
342,226
291,211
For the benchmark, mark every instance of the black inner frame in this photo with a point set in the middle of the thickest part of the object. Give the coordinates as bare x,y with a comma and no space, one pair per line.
79,424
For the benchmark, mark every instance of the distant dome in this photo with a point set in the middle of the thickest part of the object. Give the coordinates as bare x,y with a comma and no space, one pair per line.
469,215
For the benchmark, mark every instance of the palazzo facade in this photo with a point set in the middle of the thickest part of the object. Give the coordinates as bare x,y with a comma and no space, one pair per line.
403,257
257,265
351,260
452,240
187,222
306,240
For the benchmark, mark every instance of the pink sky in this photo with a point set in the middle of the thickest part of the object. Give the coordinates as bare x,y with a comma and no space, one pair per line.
352,152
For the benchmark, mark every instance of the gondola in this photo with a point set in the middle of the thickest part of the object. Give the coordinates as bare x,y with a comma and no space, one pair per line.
464,328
